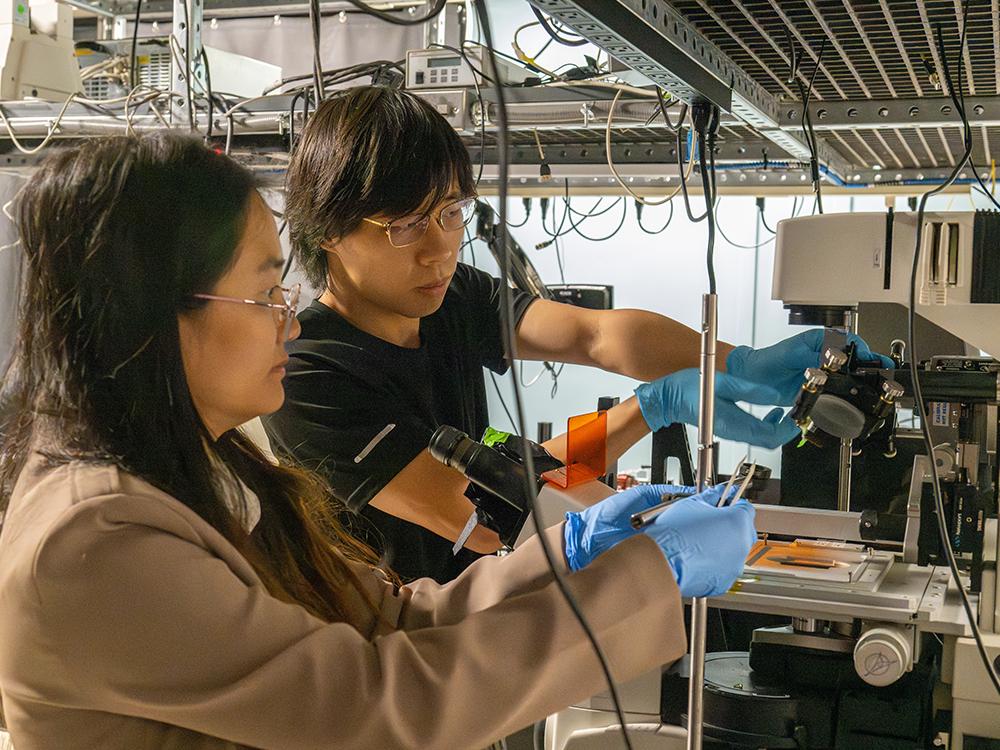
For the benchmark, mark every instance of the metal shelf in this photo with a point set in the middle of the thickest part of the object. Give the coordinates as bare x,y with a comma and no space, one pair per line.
875,103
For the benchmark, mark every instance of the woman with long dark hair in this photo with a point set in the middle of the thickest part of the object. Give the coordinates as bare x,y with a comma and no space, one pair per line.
162,584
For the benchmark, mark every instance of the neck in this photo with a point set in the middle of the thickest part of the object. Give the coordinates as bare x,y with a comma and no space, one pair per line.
362,314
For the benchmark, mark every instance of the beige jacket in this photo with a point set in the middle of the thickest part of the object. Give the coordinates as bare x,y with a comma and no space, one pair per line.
126,621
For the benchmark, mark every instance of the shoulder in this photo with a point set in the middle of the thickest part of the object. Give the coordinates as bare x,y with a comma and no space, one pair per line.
470,278
57,514
470,289
320,322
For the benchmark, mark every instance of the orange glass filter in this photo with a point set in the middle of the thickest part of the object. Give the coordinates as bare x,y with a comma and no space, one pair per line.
586,451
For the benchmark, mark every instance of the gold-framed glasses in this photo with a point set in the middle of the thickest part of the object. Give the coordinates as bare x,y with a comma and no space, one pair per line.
406,230
283,301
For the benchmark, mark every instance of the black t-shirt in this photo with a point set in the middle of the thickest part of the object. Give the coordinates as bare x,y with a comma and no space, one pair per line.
359,409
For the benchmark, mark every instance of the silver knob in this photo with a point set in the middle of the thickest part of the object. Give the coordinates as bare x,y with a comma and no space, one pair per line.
891,390
815,378
833,360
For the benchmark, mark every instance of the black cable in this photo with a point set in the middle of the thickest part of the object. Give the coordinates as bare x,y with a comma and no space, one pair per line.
568,211
965,119
807,127
510,346
680,169
526,202
914,372
548,43
556,232
763,220
496,386
708,192
482,103
555,36
666,118
317,73
133,59
593,211
576,227
340,73
398,20
291,256
638,218
718,227
291,120
208,90
559,262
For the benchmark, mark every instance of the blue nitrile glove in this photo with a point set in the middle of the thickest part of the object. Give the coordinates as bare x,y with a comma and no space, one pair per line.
706,546
782,365
601,526
674,398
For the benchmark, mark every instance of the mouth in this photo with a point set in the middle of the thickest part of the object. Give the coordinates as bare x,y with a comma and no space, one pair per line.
437,287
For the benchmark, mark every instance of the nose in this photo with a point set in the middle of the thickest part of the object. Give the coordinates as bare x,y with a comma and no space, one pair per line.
437,245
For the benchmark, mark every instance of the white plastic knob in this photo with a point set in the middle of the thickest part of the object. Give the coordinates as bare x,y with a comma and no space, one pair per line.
883,655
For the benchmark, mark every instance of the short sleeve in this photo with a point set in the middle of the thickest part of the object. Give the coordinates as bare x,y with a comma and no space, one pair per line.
483,295
337,425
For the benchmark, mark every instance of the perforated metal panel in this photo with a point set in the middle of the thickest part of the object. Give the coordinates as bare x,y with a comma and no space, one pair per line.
875,49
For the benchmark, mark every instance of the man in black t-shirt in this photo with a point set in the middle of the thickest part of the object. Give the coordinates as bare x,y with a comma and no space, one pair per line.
379,190
361,408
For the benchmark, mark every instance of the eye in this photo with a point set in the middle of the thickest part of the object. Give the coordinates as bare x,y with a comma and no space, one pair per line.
409,222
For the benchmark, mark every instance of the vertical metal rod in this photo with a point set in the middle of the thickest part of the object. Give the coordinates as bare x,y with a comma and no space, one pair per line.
706,406
706,469
844,478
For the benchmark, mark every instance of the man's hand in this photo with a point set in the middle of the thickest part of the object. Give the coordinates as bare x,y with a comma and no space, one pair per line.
675,399
782,365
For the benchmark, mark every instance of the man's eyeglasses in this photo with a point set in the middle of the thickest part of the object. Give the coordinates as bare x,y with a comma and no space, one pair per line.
407,230
283,303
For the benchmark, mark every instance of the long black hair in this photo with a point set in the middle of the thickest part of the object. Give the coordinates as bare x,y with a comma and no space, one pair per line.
368,150
118,234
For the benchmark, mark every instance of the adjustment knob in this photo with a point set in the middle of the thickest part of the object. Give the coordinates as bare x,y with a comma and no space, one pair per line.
882,655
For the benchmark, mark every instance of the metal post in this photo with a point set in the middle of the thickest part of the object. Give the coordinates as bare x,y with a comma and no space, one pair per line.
185,59
112,27
706,467
435,31
844,478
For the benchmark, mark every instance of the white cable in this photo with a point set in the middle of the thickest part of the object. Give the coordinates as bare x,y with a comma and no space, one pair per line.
588,82
53,127
611,164
228,114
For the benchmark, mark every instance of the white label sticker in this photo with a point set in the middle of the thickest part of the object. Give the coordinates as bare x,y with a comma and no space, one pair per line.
940,414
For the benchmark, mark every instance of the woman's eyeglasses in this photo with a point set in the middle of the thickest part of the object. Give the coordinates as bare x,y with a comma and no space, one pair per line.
407,230
283,303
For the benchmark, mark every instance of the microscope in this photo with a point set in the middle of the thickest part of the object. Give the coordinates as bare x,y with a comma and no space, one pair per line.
857,633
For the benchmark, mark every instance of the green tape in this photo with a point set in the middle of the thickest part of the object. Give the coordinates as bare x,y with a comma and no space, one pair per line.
494,437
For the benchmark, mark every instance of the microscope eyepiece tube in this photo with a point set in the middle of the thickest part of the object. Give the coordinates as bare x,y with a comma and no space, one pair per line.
505,502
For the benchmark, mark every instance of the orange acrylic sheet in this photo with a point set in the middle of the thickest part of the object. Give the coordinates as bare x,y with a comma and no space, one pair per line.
586,451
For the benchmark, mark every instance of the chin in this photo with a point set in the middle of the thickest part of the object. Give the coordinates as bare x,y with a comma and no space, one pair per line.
271,402
421,307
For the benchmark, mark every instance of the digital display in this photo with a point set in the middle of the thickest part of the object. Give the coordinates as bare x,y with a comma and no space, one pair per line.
444,62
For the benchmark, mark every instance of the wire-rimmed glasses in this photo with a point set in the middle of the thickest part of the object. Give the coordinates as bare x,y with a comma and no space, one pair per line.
407,230
283,310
